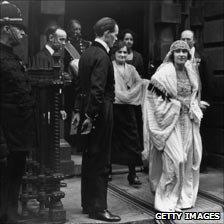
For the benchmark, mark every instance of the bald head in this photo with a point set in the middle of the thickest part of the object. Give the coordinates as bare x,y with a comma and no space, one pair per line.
188,37
74,28
61,36
57,39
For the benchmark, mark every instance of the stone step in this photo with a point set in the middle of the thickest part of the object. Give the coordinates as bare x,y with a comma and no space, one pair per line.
78,162
65,150
67,168
65,153
66,163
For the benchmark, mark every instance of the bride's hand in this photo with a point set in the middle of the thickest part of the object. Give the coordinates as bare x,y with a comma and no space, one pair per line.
204,105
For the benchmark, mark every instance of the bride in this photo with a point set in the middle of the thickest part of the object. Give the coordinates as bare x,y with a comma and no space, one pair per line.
172,116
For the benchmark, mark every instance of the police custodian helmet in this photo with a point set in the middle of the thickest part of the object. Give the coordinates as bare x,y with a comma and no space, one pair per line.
10,15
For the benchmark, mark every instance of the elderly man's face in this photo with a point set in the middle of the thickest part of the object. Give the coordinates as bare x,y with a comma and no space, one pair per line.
76,29
188,37
59,39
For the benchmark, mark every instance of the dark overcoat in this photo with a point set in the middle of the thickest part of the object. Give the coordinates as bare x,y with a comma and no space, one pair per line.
96,77
205,72
44,59
17,103
207,89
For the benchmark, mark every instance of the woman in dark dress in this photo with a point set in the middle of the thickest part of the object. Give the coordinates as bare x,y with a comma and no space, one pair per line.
126,147
134,58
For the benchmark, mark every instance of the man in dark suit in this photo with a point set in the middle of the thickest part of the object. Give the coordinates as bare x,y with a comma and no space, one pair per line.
56,39
201,62
97,95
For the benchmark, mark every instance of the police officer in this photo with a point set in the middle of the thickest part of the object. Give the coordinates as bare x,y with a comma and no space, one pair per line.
16,112
74,31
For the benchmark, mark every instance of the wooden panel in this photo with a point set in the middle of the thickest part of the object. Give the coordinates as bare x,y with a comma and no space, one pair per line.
162,48
166,35
218,83
53,7
213,8
213,140
168,13
196,18
213,116
216,55
211,28
34,27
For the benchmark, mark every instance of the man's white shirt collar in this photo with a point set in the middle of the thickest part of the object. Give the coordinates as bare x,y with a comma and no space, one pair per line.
192,52
103,43
50,49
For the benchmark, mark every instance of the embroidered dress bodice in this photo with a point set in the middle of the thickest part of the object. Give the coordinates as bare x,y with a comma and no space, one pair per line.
184,91
184,94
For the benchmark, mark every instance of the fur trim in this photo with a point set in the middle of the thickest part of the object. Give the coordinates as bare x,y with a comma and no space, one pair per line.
158,89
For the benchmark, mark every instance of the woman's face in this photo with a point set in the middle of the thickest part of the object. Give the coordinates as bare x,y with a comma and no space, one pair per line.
121,55
128,39
180,56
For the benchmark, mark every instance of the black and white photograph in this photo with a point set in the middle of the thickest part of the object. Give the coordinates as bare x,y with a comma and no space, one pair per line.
111,111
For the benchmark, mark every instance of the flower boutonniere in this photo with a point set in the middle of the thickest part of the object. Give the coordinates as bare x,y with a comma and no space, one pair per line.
197,61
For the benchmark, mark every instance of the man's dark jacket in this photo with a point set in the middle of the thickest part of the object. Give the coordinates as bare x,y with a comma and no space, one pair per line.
205,72
96,76
16,102
207,88
44,59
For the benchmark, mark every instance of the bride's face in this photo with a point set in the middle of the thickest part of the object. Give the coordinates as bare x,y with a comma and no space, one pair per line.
180,56
121,55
